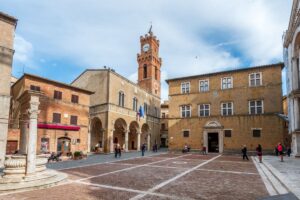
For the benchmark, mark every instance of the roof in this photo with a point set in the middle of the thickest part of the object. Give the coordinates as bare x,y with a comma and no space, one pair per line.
55,82
115,73
8,18
228,71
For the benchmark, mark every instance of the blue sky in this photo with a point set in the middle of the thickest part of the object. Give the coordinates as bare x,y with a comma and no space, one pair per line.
58,39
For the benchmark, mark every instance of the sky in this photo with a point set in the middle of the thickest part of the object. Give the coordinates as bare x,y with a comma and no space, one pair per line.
59,39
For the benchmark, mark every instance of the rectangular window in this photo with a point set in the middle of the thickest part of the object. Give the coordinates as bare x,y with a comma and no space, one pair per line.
163,127
35,88
121,99
74,98
255,79
135,104
227,133
204,110
186,133
163,115
227,83
203,85
73,120
227,108
185,111
185,87
56,118
57,94
256,107
145,108
256,132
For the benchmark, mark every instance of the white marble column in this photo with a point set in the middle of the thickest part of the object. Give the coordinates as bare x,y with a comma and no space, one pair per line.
126,139
32,137
139,140
149,142
23,134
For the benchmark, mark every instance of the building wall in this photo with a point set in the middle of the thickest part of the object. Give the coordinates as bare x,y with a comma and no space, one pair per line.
241,123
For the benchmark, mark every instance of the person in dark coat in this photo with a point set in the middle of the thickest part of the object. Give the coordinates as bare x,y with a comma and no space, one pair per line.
244,151
289,151
259,152
116,151
143,149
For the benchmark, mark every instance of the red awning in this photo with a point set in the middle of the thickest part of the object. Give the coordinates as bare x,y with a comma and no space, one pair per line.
59,127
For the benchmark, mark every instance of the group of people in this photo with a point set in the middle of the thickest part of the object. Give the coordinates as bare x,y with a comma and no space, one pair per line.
279,150
118,150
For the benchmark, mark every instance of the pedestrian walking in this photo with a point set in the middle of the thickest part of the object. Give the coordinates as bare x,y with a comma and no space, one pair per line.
143,149
204,150
259,152
116,151
280,151
289,151
244,151
119,150
276,151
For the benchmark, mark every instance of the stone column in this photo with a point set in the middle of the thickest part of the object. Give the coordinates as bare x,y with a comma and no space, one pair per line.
89,137
32,137
103,138
296,113
139,140
221,141
205,141
295,76
149,142
23,133
126,139
111,138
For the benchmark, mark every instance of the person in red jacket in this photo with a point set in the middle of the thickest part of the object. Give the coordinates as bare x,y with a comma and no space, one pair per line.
280,151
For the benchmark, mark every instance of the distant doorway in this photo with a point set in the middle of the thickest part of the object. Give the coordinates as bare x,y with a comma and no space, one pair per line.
64,145
213,142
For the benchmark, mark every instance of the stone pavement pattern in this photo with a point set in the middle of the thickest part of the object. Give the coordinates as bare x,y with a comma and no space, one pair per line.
160,176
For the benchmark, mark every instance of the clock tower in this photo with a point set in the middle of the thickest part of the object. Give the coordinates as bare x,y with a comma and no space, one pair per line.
149,64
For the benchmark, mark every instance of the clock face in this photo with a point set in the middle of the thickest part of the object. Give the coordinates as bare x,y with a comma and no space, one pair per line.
146,47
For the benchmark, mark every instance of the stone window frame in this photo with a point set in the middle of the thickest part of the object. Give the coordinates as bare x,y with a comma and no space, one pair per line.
57,95
56,118
74,98
146,108
199,110
255,106
228,129
184,88
35,88
121,99
74,120
186,130
204,80
135,104
255,79
227,108
185,111
254,129
226,83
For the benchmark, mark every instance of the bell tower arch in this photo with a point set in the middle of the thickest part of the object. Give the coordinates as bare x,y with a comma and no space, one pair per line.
149,62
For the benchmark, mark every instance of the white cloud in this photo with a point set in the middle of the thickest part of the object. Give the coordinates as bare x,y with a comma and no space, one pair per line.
23,49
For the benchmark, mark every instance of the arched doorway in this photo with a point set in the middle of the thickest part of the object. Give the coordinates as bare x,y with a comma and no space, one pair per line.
145,136
64,145
119,132
132,137
96,140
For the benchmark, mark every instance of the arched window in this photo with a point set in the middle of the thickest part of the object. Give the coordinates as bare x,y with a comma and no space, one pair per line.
121,99
135,104
145,71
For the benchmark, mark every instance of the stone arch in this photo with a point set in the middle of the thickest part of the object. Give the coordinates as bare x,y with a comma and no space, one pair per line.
97,134
145,131
133,134
120,127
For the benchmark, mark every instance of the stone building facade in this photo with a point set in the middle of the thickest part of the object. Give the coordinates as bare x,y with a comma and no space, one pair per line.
291,58
225,110
63,119
117,104
7,32
164,138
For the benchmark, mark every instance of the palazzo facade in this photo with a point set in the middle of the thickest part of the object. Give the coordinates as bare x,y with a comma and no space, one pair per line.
118,104
225,110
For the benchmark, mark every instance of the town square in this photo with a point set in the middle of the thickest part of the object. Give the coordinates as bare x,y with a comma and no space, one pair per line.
150,99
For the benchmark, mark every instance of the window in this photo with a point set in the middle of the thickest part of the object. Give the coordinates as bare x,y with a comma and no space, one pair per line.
145,108
78,141
121,99
135,104
186,133
227,108
203,85
163,127
35,88
185,87
204,110
256,107
156,112
56,118
57,94
256,132
145,71
227,83
74,98
255,79
73,120
227,133
163,115
156,73
186,111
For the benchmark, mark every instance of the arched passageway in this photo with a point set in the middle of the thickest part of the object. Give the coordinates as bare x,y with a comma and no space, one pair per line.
133,136
97,131
119,132
145,136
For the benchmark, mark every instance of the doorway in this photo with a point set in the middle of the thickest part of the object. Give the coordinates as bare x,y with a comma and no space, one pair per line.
64,145
213,142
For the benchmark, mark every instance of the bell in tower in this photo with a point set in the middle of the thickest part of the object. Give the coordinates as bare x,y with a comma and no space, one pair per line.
149,64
